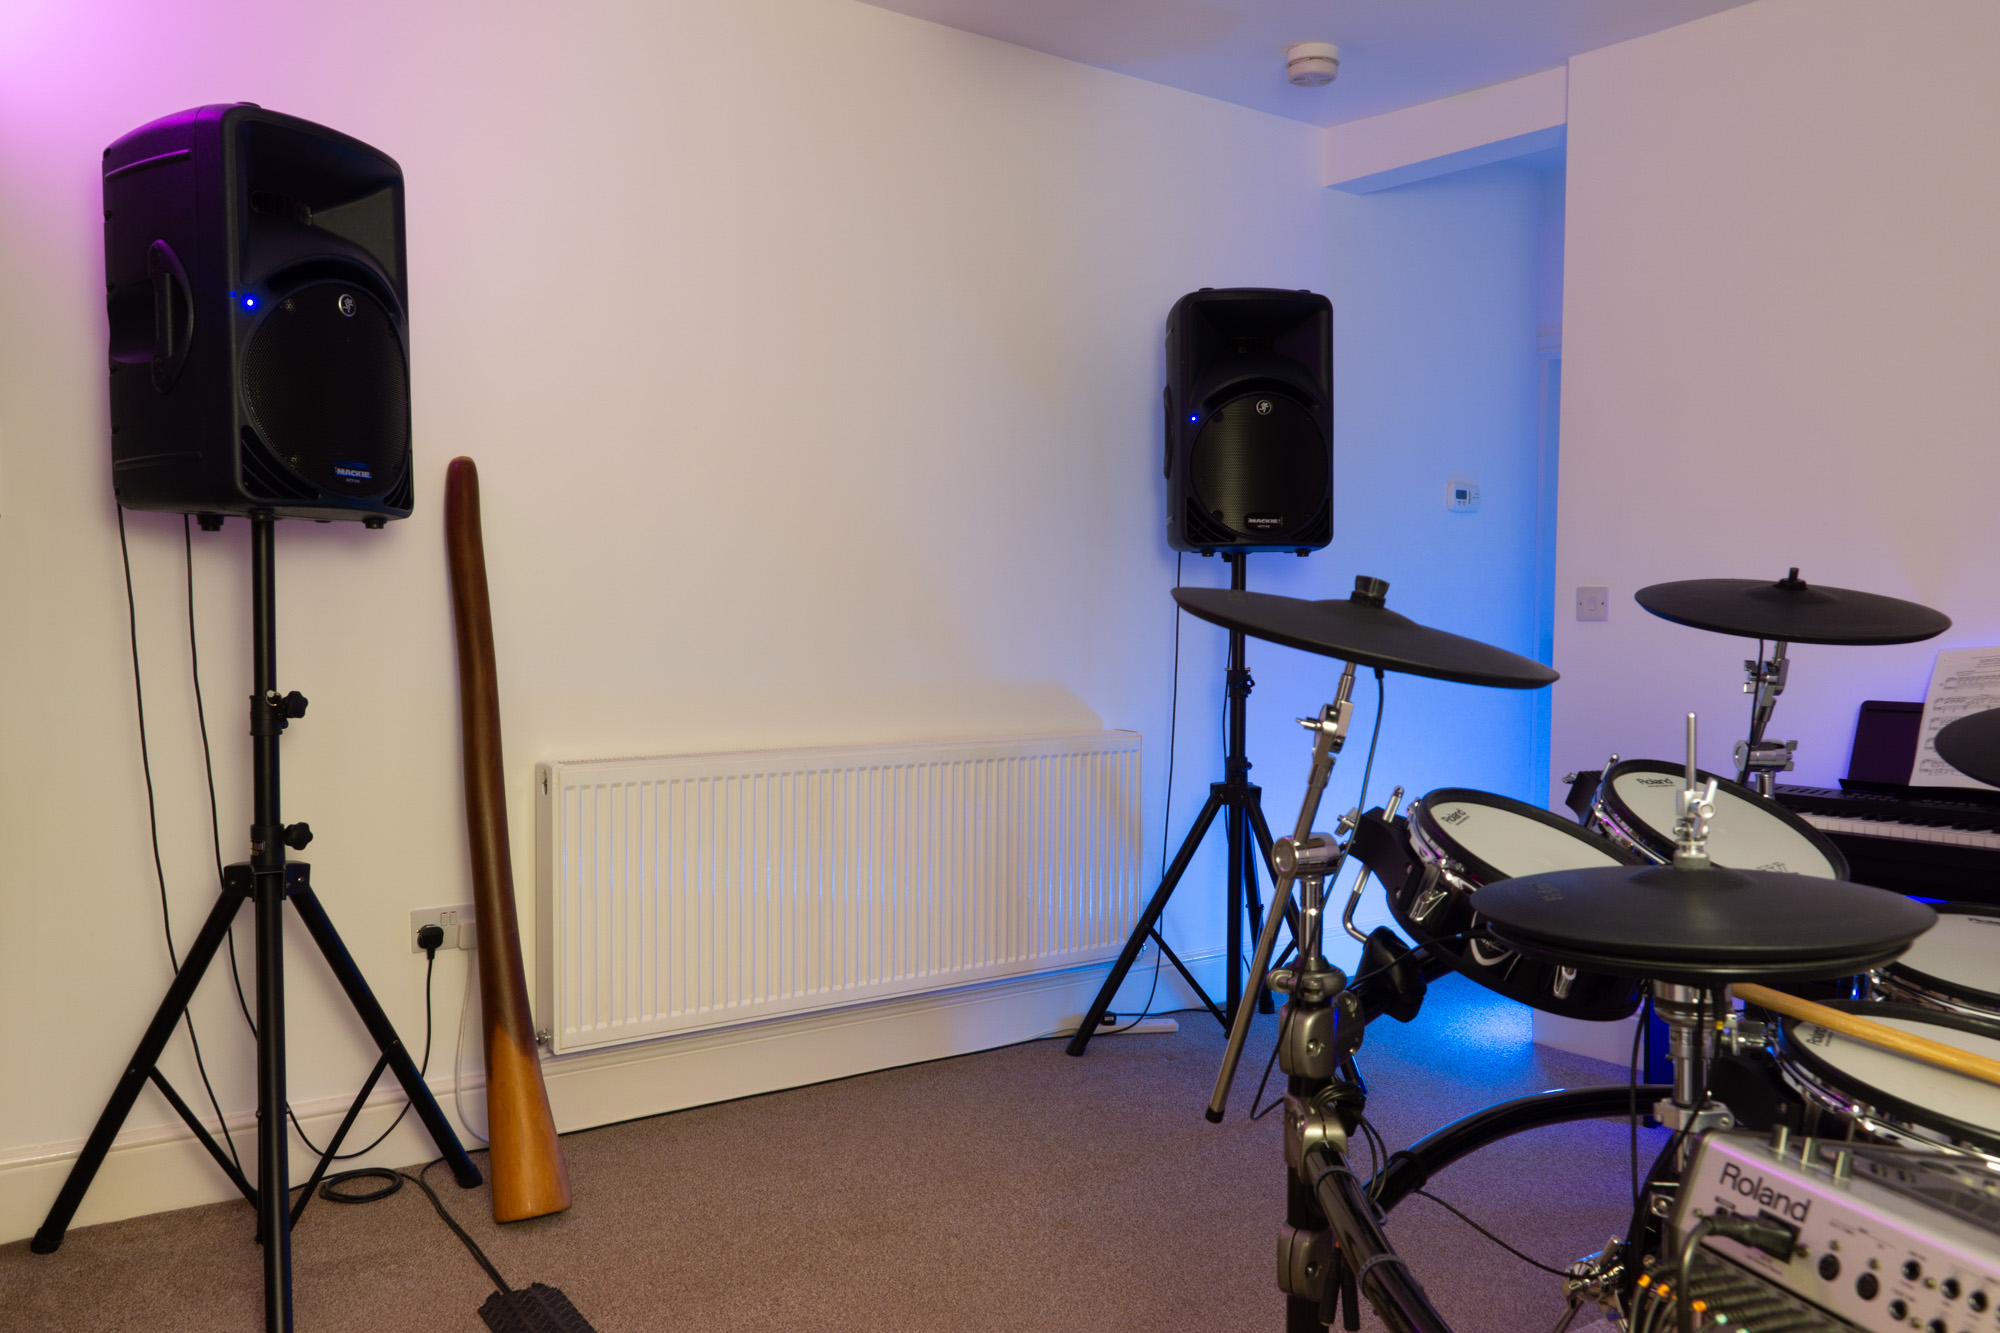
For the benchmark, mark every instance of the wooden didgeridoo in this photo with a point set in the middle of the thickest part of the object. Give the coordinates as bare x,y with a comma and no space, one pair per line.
529,1178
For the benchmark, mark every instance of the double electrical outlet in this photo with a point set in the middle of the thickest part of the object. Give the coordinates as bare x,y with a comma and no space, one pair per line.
456,922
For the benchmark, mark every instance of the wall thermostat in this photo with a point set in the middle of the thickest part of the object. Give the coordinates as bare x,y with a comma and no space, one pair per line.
1461,493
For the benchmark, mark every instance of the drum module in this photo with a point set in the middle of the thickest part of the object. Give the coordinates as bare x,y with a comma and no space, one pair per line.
1882,1238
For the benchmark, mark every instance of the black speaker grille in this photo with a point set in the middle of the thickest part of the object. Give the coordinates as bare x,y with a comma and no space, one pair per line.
1259,470
403,495
264,477
1198,529
328,388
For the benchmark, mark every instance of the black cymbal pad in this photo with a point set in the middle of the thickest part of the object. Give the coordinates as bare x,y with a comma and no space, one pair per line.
1358,631
1665,923
1792,610
1972,746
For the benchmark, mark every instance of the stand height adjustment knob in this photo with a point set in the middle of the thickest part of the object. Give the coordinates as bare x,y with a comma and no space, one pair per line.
292,705
297,835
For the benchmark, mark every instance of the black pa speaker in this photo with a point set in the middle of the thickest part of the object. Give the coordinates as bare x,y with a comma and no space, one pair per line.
1249,421
255,282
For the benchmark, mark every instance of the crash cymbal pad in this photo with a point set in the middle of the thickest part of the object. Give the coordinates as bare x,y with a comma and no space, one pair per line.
1361,629
1791,610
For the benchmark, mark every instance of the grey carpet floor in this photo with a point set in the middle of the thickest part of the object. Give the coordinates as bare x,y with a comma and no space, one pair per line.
1014,1189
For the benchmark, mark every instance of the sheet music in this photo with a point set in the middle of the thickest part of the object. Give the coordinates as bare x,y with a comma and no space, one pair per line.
1964,681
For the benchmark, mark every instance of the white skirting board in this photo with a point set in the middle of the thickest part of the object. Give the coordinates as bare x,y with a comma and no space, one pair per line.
155,1170
1610,1042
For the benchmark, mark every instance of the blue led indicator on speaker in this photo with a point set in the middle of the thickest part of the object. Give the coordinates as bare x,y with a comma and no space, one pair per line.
249,303
1193,417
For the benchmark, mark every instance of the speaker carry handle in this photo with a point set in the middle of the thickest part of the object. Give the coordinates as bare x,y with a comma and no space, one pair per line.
173,314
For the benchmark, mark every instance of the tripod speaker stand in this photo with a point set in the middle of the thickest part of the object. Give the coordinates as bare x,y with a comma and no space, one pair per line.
269,881
1240,802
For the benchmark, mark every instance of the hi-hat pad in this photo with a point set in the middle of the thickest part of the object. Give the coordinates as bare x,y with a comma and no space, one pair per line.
1791,610
1696,926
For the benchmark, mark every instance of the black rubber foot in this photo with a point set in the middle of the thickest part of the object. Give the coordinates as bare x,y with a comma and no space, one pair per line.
1214,1117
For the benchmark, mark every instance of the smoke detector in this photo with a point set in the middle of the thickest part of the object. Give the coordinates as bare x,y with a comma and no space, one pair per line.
1312,64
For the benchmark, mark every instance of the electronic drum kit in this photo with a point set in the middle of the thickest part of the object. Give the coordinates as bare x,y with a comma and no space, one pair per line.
1676,886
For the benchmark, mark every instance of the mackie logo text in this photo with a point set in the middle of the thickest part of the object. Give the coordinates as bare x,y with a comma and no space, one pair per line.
352,472
1753,1187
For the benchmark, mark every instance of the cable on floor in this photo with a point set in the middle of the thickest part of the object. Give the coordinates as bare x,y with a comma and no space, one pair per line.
333,1190
537,1308
1524,1258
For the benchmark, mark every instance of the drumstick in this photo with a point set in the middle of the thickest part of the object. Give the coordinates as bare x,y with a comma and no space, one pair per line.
1875,1034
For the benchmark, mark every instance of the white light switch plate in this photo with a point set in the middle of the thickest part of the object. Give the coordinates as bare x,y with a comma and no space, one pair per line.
1593,602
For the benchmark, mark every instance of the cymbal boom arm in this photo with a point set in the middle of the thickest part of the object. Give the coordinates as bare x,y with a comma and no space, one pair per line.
1329,734
1764,678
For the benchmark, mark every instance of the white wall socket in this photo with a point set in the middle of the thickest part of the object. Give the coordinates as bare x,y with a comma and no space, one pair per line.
1593,602
457,923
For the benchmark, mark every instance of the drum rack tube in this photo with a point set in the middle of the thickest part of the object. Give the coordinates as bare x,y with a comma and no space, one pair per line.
1378,1272
1408,1171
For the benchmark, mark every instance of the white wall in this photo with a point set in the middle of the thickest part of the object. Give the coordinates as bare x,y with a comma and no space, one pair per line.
1781,322
815,400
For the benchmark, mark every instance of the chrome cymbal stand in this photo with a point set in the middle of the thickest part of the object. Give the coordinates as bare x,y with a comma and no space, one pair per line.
1313,1040
1688,1011
1758,761
1318,856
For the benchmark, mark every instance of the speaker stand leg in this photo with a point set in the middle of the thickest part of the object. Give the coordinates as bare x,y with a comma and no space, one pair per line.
1148,922
1241,801
268,880
138,1070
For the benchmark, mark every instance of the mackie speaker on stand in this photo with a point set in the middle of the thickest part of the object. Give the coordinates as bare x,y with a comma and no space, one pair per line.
1249,403
255,283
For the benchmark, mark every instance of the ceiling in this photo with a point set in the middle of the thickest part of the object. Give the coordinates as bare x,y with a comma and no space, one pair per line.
1393,53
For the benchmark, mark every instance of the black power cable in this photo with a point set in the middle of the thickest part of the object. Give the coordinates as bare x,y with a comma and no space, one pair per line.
1638,1239
1524,1258
1638,1034
208,765
1167,815
430,966
536,1308
332,1190
153,824
215,837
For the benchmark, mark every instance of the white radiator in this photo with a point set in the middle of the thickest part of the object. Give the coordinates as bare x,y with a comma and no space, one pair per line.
689,892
